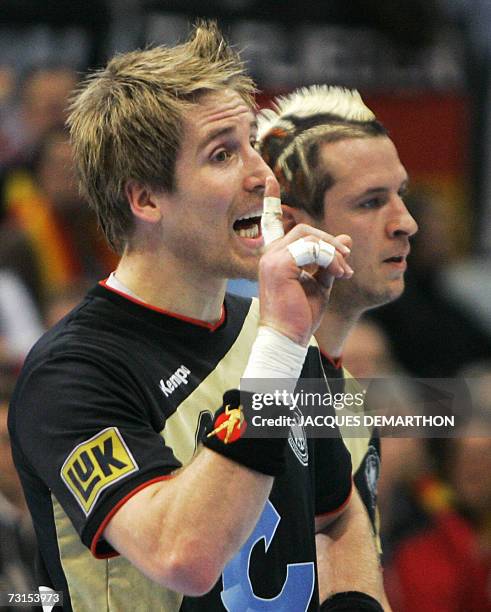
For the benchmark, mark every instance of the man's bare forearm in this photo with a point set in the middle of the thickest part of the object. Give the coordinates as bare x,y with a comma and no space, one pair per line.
346,555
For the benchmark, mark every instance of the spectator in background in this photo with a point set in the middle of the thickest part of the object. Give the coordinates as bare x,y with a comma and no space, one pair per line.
407,482
7,89
46,207
446,567
367,352
42,102
20,323
20,293
17,256
17,540
431,335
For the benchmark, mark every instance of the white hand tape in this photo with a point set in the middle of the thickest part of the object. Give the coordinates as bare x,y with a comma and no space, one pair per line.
326,254
271,220
272,205
305,252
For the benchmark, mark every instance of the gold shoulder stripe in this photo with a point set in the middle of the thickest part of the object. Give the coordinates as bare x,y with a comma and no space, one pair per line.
95,464
313,342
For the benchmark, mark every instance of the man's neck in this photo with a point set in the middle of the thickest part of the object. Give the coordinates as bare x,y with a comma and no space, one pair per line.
162,282
334,330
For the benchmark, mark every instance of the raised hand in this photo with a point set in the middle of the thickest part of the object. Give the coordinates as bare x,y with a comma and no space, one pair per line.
295,276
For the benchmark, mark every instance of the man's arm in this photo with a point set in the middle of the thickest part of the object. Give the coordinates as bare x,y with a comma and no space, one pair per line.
182,531
346,555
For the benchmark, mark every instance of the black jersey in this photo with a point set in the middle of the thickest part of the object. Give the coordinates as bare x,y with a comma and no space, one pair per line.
115,397
365,451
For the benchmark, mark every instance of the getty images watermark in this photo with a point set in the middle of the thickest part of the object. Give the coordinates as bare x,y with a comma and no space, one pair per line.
396,406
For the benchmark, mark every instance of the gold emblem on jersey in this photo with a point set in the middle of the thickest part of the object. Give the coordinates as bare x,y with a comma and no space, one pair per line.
95,464
229,425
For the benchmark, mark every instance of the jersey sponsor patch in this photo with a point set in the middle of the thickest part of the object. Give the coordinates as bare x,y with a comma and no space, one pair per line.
95,464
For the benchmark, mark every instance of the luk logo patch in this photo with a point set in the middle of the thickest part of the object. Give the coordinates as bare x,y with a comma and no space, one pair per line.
95,464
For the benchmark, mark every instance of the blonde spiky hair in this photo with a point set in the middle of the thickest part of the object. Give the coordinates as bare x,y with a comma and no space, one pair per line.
306,102
291,133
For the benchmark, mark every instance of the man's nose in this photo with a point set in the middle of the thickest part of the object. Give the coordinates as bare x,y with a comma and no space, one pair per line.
401,221
257,172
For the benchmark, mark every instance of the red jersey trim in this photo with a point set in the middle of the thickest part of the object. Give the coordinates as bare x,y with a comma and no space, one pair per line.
205,324
336,362
341,507
104,523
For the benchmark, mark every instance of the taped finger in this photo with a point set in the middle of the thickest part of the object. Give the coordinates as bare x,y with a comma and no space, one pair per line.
326,254
306,252
303,252
271,220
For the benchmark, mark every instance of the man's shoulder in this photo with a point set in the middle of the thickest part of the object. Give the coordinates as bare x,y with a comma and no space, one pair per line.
87,328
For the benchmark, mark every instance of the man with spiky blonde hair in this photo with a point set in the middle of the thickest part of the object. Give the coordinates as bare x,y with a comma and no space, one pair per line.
145,496
127,120
340,172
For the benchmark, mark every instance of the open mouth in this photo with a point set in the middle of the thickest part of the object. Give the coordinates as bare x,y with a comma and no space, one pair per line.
248,226
394,259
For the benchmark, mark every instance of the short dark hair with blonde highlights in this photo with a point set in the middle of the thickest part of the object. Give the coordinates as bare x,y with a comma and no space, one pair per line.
126,119
292,133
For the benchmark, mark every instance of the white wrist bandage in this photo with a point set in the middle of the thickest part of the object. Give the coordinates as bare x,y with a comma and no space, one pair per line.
273,356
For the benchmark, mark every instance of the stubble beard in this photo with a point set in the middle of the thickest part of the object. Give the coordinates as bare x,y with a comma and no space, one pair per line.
353,300
228,265
249,271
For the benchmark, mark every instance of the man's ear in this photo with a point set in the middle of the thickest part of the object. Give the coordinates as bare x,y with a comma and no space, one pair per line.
144,202
293,216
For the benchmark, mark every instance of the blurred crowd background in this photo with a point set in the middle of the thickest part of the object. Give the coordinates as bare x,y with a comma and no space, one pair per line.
424,67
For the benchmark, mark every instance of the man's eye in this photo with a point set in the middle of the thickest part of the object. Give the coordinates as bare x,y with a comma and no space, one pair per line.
254,143
221,156
373,203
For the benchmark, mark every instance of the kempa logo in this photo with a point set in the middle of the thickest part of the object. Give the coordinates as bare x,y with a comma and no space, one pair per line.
180,377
